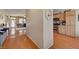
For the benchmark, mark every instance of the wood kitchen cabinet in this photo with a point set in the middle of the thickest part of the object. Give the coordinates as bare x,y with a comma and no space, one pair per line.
62,16
61,28
70,27
70,22
70,12
57,15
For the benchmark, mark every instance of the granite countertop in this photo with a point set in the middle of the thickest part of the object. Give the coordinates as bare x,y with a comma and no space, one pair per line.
3,30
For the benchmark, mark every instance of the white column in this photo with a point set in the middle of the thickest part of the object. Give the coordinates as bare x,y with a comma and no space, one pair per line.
47,30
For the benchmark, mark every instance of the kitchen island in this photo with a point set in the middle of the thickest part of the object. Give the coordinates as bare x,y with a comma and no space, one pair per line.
3,35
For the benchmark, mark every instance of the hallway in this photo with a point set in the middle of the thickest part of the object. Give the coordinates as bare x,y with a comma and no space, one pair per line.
21,41
35,23
65,42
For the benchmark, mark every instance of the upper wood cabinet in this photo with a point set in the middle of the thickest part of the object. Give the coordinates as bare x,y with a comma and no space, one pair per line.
70,13
59,15
62,16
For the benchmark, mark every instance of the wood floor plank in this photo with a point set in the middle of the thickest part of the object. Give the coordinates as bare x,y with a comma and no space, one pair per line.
65,42
19,42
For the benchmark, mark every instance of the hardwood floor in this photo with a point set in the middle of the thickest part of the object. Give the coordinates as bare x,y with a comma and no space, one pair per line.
65,42
21,41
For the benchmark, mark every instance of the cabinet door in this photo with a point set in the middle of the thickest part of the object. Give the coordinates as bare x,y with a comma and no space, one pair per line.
68,30
62,16
68,21
60,29
63,29
73,22
56,15
72,31
70,25
70,13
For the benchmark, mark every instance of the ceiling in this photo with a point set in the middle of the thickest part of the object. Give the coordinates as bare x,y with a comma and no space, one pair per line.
13,11
22,12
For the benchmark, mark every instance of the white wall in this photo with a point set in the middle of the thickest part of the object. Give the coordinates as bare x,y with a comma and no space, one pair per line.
3,19
40,29
47,31
36,26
